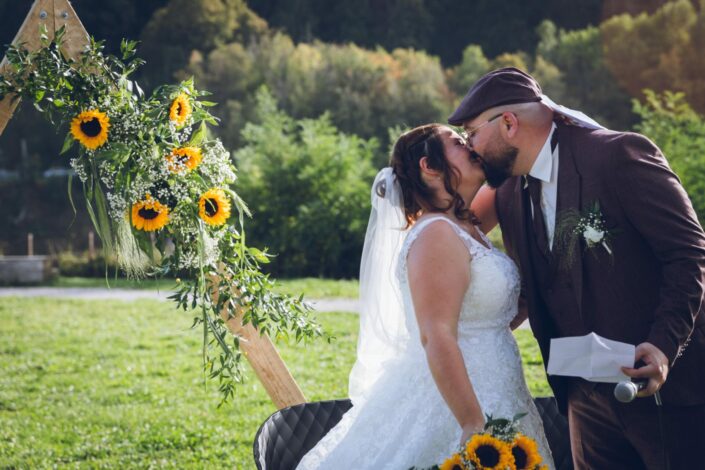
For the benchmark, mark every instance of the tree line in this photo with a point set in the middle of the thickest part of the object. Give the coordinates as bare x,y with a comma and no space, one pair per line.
329,86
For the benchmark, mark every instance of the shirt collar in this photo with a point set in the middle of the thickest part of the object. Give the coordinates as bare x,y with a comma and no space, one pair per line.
543,166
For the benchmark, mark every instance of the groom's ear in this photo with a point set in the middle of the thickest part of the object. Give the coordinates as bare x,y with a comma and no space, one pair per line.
509,124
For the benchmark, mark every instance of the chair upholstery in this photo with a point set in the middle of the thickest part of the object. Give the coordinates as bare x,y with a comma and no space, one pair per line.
286,436
555,426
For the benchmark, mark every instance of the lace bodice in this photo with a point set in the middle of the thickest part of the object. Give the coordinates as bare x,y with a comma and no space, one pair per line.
405,422
491,300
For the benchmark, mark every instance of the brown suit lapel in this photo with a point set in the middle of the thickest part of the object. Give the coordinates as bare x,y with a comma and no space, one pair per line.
569,186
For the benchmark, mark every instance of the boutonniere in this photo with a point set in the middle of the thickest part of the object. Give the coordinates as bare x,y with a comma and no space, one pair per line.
572,225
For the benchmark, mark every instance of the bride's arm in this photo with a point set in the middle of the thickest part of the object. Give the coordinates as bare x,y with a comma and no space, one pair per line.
438,277
483,206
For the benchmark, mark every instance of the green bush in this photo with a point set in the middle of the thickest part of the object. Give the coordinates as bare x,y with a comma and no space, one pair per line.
307,185
679,131
82,265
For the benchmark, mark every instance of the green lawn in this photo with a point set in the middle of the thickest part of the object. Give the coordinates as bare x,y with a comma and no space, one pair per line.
94,384
312,288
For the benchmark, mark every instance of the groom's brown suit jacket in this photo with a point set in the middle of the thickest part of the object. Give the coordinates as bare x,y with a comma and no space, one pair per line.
649,289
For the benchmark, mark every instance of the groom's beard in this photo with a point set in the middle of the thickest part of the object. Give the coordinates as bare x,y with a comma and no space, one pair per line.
498,168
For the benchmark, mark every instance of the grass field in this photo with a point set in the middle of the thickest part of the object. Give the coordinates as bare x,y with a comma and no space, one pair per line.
91,384
312,288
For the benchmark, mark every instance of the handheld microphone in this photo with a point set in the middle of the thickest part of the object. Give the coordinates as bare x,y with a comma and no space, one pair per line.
626,391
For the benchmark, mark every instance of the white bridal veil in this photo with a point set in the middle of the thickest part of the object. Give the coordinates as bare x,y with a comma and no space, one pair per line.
383,331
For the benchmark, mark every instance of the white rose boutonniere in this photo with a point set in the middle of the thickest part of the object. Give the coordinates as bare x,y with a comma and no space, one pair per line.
593,236
590,225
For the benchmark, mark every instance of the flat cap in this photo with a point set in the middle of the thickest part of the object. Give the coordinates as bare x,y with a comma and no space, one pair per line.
497,88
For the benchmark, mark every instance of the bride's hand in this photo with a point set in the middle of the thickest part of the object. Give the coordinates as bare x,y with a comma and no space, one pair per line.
469,430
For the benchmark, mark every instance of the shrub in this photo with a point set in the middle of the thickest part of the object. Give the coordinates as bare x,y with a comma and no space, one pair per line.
307,185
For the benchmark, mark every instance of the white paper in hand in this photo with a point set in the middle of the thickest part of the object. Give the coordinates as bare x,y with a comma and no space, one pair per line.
591,357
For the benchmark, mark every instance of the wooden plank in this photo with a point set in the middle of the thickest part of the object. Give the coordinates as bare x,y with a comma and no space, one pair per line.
265,360
76,38
267,364
41,13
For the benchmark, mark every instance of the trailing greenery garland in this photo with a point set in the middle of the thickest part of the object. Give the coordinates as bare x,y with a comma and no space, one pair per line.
158,190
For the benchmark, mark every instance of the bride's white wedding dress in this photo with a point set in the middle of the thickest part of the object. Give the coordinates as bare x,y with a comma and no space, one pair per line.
405,422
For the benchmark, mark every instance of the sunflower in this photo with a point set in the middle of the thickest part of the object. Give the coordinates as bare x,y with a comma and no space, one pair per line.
180,109
214,207
488,452
90,128
149,214
454,462
525,452
186,156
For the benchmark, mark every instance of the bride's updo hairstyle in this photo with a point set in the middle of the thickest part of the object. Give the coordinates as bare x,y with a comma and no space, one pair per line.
425,141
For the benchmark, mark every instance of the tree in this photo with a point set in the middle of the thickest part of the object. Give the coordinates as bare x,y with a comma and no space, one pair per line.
680,132
587,83
308,188
660,51
183,26
473,66
364,92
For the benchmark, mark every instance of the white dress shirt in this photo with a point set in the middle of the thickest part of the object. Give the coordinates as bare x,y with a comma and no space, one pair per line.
545,169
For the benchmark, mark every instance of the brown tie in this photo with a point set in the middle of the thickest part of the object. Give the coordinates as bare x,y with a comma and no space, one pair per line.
538,222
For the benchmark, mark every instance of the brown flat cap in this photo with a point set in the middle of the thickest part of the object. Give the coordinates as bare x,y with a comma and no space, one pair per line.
499,87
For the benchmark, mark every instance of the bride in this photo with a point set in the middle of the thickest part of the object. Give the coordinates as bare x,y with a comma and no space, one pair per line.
435,352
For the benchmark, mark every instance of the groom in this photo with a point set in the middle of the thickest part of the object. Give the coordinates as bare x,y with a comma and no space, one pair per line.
635,273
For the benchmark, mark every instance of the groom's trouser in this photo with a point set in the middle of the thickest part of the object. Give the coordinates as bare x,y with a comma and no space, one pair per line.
606,434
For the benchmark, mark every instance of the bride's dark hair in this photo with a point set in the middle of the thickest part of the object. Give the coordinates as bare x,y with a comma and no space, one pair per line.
425,141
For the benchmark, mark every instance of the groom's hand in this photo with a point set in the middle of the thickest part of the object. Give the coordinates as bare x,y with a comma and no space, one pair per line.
656,368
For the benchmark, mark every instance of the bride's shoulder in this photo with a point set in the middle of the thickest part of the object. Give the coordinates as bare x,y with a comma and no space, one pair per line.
433,236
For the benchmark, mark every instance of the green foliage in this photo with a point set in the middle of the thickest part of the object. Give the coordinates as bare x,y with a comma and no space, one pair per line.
183,26
660,51
680,133
364,92
441,27
581,80
81,265
308,187
473,65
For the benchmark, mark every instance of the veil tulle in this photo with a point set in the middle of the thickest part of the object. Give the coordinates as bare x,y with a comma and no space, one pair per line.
383,331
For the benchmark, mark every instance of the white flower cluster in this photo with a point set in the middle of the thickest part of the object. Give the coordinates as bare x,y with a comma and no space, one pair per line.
124,127
117,206
183,135
79,168
217,166
107,173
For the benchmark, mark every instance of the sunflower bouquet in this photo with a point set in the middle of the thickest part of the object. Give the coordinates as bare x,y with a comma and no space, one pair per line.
159,189
499,447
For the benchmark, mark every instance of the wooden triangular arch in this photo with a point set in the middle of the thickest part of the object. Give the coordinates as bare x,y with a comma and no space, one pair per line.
258,349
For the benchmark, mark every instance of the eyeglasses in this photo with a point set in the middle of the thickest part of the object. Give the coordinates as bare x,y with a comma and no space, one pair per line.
469,135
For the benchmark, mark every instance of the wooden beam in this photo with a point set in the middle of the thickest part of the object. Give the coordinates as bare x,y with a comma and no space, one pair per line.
264,359
52,14
41,13
76,38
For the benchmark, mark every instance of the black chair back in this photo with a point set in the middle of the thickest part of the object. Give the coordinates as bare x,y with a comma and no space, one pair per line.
286,436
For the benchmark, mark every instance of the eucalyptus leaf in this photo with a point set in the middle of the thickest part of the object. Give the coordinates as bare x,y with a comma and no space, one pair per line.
68,143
